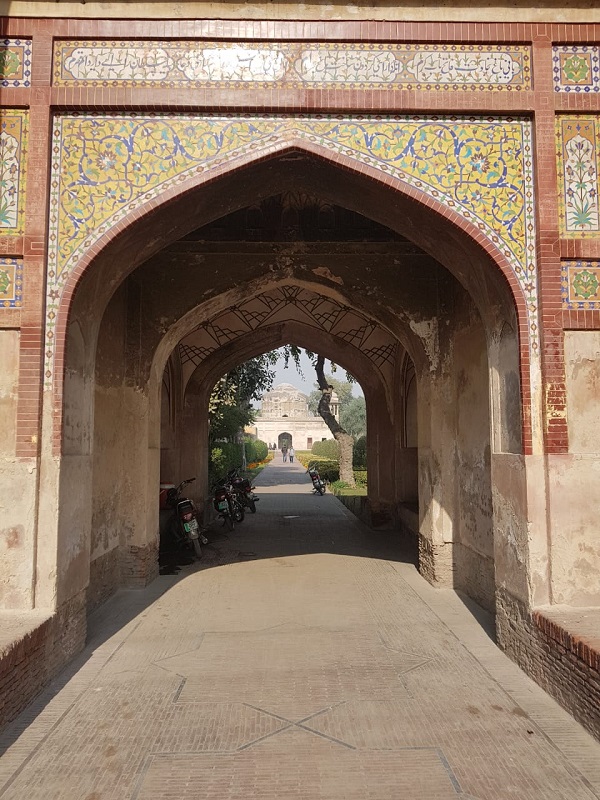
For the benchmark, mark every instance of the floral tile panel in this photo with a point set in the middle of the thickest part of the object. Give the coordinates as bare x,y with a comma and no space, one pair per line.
292,64
11,282
104,167
580,285
577,140
15,62
576,68
13,150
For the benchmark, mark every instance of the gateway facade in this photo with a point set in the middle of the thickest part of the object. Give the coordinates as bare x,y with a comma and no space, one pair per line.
412,191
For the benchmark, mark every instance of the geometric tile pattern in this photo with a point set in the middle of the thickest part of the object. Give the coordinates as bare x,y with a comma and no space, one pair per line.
11,282
292,64
13,150
578,164
580,284
283,304
15,62
105,166
576,68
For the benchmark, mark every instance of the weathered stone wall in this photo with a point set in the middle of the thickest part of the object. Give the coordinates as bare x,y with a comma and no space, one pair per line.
566,665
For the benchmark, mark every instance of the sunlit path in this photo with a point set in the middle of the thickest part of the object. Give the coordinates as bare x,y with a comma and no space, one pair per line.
305,658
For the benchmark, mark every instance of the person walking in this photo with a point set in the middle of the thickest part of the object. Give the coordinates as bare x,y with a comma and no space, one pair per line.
284,452
291,454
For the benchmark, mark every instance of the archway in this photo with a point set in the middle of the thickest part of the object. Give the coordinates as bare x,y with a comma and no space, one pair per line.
425,313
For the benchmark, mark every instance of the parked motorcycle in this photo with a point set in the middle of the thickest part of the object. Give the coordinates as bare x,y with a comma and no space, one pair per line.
244,490
226,504
317,482
184,522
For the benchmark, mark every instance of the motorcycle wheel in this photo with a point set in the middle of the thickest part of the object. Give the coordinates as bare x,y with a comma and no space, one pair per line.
197,548
251,506
321,490
228,522
238,512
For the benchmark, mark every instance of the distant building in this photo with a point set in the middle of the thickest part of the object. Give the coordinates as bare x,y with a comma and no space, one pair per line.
284,417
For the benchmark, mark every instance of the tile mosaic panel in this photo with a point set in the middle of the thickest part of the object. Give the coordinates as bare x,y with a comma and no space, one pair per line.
578,163
292,64
580,285
13,150
283,304
576,68
15,62
11,282
106,166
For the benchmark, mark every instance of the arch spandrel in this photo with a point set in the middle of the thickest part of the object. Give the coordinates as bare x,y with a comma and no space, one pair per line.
107,168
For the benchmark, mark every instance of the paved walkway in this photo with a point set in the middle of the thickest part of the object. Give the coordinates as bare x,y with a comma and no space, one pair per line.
305,658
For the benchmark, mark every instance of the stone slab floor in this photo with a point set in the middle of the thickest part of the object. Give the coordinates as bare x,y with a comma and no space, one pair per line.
303,658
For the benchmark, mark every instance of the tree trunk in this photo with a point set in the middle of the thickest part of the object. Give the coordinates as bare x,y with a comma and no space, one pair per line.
345,441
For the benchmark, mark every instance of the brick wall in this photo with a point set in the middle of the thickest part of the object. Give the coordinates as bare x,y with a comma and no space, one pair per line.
104,578
563,663
36,656
139,565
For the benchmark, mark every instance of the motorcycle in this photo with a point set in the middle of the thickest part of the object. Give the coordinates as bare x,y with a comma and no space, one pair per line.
226,504
243,490
317,482
184,522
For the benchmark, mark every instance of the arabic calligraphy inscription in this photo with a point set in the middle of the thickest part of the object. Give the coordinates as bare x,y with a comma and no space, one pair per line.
291,64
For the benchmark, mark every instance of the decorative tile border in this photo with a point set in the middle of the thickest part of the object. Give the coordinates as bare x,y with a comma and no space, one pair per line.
11,282
576,68
578,165
106,166
292,64
15,62
580,285
13,150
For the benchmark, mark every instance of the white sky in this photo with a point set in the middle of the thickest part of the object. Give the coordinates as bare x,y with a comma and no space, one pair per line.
308,383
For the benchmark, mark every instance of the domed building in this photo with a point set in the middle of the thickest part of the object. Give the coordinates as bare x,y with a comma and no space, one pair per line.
284,417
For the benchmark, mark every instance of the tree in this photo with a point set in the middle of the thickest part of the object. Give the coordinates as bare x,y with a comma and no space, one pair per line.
343,389
353,417
344,439
230,409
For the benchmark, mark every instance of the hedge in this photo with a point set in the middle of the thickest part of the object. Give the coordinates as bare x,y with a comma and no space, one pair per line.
359,454
256,450
330,449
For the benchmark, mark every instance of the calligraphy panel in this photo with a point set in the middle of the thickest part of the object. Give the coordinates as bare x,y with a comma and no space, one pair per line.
104,167
15,62
576,68
291,64
577,139
13,148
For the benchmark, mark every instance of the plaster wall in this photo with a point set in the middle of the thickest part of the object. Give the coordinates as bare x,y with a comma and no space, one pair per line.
442,11
474,546
17,489
573,479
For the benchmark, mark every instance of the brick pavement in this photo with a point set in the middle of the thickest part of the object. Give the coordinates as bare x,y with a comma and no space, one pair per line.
304,658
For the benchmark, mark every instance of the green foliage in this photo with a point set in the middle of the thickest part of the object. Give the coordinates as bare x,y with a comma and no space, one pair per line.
353,417
303,456
328,470
327,449
223,457
256,450
339,485
230,407
359,455
360,477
